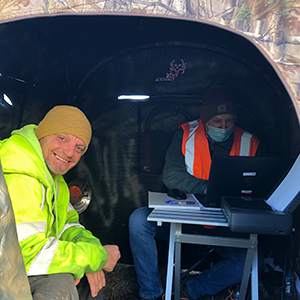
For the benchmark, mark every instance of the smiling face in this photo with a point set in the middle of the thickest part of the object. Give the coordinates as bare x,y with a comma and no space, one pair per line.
61,152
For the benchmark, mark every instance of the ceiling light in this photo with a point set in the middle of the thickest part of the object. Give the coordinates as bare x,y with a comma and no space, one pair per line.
134,97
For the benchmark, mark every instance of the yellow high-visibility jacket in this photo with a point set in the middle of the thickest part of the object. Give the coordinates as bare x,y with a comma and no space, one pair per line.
50,236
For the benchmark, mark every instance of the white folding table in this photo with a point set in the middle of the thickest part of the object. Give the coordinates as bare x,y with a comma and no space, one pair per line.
213,217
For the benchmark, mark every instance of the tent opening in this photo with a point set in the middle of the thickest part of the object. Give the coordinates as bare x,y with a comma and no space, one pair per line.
89,61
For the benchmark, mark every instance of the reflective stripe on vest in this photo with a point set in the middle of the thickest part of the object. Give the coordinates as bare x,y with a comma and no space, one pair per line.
70,207
27,230
69,225
195,147
190,146
43,259
245,143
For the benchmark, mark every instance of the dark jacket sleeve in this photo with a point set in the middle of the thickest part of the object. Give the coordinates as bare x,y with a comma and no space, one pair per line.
175,174
260,152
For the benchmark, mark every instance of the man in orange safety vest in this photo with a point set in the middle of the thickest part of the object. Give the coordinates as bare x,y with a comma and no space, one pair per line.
187,167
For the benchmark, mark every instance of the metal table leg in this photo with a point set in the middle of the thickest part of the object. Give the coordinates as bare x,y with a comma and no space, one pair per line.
170,266
248,265
254,277
178,228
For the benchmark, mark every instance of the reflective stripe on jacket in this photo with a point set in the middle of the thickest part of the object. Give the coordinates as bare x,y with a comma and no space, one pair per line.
195,147
50,236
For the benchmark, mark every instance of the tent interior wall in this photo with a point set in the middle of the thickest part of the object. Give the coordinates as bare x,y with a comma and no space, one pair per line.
88,61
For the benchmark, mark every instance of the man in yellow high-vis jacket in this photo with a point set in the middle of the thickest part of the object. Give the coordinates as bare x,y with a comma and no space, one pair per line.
56,249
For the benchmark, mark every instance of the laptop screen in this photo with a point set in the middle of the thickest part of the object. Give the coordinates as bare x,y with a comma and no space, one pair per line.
243,176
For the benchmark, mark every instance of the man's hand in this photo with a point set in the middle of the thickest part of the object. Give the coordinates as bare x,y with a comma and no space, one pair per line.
96,281
113,256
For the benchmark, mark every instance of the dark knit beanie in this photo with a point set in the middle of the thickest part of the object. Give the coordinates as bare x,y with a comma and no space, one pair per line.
217,100
65,119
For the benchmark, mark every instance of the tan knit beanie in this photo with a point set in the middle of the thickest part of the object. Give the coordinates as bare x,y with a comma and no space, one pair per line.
65,119
217,100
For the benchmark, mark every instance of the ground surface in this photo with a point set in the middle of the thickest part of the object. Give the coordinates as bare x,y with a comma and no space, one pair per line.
121,284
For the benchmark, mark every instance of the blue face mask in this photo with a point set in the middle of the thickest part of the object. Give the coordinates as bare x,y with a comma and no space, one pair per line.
219,134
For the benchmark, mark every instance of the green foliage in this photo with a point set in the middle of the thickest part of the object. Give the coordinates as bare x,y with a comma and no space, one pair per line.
242,13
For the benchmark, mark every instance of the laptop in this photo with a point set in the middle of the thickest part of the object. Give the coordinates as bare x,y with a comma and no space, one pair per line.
273,215
244,177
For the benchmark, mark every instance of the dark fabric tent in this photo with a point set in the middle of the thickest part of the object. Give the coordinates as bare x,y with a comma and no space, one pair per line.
88,61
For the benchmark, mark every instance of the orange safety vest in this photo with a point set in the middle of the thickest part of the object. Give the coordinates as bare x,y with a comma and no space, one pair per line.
195,147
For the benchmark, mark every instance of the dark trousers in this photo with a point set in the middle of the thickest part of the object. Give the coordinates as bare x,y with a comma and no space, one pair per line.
60,287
